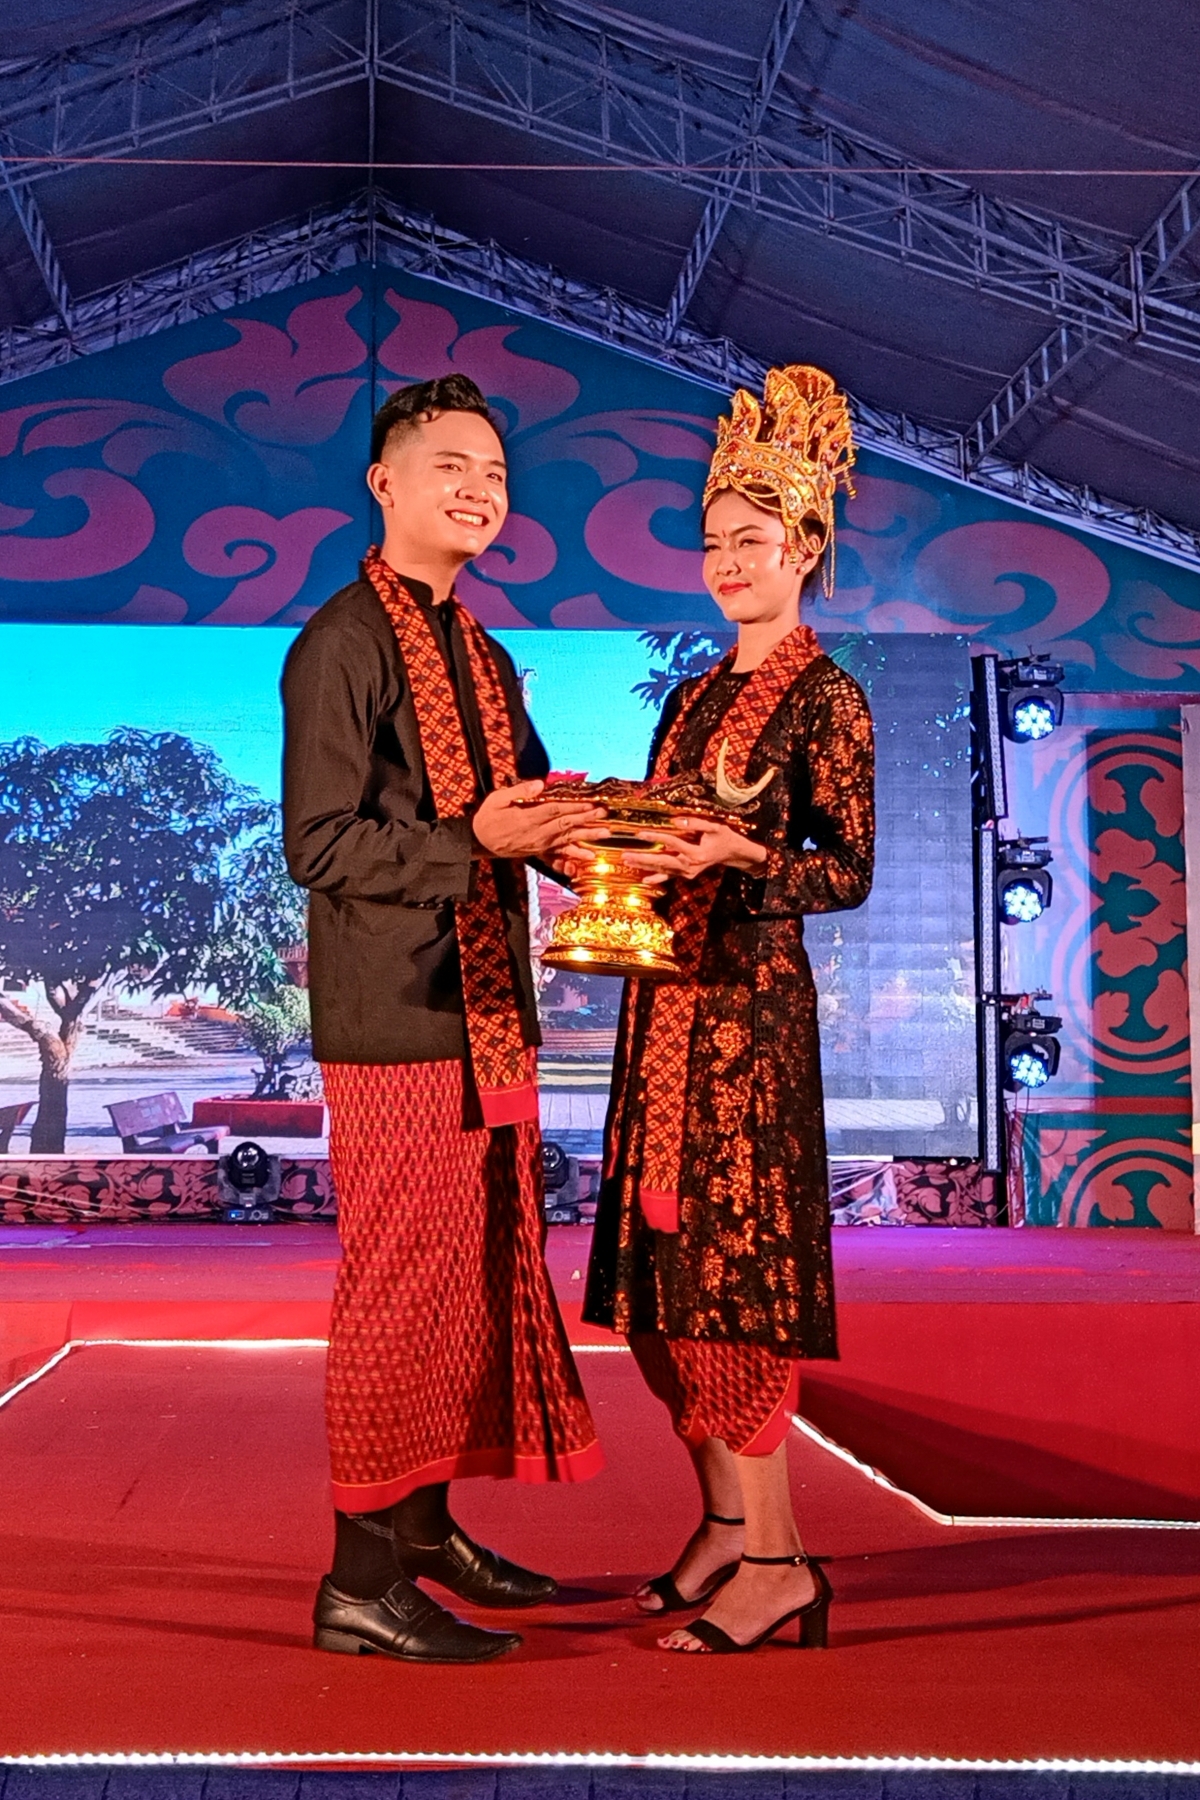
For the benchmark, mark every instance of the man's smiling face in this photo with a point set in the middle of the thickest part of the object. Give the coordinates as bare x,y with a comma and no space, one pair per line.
445,483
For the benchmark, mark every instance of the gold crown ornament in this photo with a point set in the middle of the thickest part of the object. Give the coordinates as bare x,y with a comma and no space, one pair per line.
788,452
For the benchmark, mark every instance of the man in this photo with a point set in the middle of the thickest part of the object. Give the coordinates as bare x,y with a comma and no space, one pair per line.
412,791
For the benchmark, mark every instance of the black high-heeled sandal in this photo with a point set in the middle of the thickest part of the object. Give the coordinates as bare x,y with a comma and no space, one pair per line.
813,1616
669,1594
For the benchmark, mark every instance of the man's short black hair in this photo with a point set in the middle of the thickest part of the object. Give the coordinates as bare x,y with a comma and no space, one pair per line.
411,406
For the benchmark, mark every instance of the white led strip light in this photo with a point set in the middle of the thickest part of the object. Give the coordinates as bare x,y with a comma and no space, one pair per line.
590,1759
961,1520
958,1521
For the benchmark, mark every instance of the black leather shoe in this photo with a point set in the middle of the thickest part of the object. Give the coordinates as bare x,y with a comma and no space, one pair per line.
405,1623
473,1573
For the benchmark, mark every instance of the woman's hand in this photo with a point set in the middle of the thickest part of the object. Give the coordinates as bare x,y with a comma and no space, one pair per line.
696,845
578,858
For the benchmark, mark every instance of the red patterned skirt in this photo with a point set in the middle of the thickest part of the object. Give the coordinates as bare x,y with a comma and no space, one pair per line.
744,1394
447,1354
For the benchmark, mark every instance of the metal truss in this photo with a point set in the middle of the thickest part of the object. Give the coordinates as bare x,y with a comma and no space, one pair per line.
1153,270
328,239
146,86
599,87
716,210
29,216
261,262
586,82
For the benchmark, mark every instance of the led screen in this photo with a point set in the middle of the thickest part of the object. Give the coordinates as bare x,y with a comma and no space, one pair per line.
189,721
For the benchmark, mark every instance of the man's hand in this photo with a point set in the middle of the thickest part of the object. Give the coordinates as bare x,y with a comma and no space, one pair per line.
506,825
578,856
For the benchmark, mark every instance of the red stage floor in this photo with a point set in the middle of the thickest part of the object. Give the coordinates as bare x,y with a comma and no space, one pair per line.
994,1374
164,1522
164,1525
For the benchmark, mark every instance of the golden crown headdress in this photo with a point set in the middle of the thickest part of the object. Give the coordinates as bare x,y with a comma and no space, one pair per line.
789,452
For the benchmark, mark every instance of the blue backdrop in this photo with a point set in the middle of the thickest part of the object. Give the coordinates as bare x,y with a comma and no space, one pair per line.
213,474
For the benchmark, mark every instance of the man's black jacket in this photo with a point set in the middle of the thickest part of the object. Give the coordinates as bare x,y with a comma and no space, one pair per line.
361,834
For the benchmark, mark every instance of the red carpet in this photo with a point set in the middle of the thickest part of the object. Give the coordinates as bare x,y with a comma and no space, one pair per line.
1004,1374
1085,1411
163,1524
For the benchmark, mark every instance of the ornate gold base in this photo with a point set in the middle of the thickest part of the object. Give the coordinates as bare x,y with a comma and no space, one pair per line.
614,930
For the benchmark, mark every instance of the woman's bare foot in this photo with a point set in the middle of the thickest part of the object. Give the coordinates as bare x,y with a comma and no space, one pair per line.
708,1549
754,1599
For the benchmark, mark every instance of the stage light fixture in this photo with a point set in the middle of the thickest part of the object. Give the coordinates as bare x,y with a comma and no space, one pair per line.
560,1178
1031,1050
1031,687
248,1182
1024,887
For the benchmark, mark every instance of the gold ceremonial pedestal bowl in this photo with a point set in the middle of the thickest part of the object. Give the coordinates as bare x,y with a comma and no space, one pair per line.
616,929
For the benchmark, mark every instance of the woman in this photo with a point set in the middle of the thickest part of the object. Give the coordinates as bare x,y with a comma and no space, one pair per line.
712,1242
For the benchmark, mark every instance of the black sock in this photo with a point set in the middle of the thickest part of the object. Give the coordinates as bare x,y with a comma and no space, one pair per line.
364,1555
424,1516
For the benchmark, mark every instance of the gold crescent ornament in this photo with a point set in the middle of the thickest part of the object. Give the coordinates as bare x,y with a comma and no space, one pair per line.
728,792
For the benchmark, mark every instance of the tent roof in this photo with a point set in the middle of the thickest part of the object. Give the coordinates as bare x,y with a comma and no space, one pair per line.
908,288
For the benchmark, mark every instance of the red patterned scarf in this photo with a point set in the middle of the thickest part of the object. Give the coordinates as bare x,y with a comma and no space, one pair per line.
673,1004
505,1068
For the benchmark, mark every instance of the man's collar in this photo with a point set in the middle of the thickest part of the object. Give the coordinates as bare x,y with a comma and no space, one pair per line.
421,591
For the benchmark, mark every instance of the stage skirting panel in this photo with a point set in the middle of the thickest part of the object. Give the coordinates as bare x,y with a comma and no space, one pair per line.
849,1778
128,1189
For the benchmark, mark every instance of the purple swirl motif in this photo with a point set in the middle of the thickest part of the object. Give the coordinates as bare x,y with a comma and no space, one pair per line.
285,387
270,556
118,520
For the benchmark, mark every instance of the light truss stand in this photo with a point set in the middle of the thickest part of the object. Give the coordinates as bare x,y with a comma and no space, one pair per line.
990,805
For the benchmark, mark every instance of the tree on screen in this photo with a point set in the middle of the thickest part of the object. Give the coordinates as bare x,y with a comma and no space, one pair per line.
682,654
278,1028
137,858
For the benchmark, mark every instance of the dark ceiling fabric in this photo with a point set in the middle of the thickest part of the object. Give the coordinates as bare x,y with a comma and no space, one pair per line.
1080,83
889,332
108,224
949,83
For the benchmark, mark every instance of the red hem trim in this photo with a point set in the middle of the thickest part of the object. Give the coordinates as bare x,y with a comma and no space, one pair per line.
772,1431
770,1434
500,1464
509,1105
660,1208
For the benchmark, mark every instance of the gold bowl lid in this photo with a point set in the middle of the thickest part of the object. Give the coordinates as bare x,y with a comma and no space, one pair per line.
658,800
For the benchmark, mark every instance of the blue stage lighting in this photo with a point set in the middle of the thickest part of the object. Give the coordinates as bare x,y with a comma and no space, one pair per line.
1032,702
1030,1051
1029,1068
1021,902
1032,719
1023,885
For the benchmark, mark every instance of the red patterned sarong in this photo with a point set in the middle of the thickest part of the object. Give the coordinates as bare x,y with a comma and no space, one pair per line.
447,1354
744,1394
